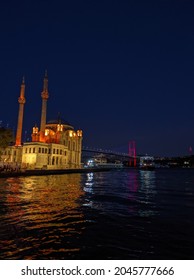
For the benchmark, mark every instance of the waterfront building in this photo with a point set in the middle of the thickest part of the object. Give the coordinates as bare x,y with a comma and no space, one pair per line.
56,145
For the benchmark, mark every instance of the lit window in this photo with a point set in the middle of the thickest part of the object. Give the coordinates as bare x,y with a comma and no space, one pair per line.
79,133
59,127
35,130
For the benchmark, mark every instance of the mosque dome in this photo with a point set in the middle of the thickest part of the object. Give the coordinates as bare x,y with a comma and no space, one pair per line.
55,122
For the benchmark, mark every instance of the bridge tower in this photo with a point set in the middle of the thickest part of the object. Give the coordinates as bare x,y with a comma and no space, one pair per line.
132,153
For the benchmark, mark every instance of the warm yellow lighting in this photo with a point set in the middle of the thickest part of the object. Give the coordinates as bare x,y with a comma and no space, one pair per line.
59,127
79,133
70,133
46,132
31,159
35,130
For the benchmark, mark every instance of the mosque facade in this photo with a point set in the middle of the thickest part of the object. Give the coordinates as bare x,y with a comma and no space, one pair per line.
55,145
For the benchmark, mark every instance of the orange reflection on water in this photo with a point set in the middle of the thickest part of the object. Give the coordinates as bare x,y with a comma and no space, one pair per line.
43,216
45,200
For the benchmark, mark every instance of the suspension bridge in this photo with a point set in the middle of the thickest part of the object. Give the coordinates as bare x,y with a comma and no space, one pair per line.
130,157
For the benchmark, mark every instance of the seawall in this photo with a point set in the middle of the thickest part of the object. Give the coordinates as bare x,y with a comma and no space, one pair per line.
41,172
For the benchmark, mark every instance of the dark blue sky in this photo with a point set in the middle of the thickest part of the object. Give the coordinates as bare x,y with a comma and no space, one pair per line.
119,70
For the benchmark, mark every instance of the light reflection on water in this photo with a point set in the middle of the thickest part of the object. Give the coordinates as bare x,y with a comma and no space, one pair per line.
89,182
43,198
129,214
47,207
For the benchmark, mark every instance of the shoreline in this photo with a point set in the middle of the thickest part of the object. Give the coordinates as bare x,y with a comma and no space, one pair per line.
45,172
41,172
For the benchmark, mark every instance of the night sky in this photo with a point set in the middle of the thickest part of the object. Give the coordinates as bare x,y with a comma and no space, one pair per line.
119,70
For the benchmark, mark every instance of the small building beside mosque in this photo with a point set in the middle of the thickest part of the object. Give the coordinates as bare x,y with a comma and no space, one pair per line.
55,145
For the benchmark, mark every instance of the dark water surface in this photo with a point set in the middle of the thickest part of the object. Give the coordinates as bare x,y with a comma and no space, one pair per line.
127,214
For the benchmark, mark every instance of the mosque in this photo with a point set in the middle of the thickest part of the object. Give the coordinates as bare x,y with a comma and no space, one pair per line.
55,145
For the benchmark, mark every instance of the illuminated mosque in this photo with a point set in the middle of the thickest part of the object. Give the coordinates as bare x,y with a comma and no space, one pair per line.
55,145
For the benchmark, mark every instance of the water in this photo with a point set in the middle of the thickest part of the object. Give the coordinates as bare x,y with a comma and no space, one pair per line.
127,214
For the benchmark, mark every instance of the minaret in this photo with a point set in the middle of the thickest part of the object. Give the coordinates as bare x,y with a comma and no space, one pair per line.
21,101
45,96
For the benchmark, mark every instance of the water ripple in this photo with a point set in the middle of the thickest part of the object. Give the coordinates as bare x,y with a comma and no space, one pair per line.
121,214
